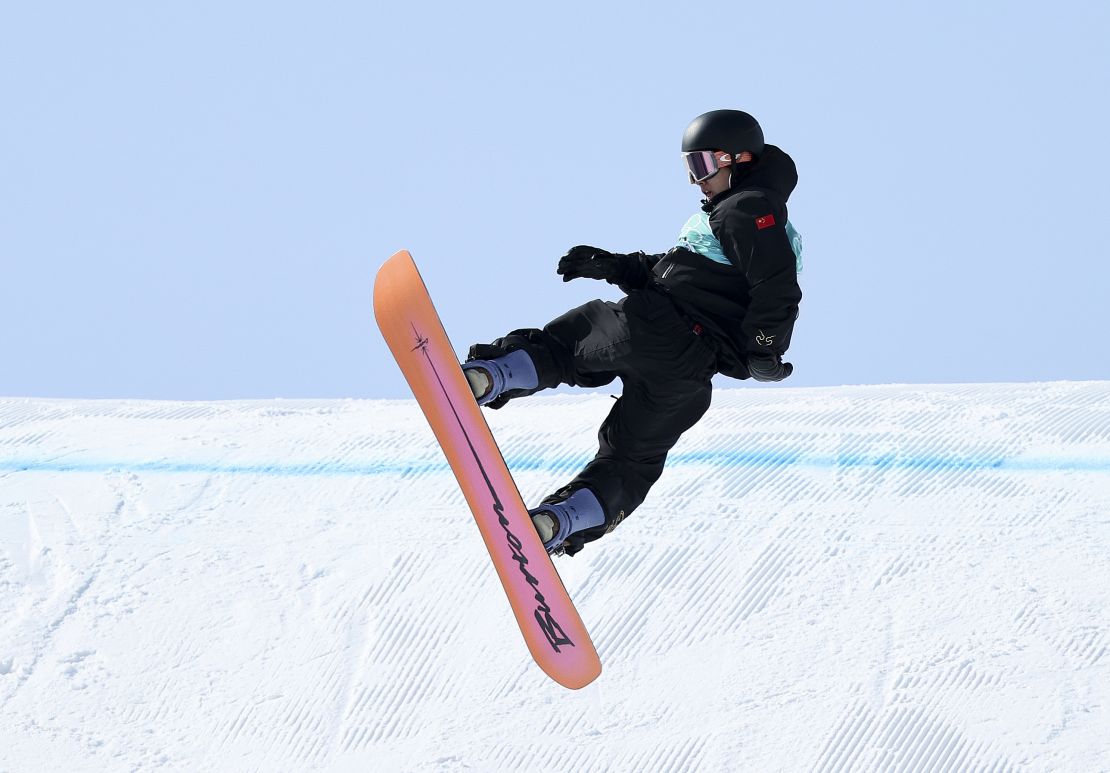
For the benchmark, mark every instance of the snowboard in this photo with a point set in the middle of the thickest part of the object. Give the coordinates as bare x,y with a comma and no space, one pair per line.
551,625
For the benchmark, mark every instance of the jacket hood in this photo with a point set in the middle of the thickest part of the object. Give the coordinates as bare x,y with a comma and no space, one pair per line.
773,170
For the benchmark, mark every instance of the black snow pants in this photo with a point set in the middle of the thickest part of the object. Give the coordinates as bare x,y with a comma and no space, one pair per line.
665,365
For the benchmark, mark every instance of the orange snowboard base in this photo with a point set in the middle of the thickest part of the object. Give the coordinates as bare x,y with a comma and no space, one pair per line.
551,625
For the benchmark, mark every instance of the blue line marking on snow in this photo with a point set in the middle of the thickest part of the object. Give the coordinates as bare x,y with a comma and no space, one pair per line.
781,458
215,468
890,461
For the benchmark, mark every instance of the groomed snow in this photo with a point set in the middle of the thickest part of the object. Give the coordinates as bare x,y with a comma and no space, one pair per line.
855,578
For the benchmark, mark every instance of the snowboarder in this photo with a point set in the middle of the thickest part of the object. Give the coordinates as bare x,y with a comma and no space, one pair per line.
723,300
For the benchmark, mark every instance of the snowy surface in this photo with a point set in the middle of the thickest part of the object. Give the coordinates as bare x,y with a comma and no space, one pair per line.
857,578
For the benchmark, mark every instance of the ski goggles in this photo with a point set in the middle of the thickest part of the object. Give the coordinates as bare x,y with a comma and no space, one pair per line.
703,164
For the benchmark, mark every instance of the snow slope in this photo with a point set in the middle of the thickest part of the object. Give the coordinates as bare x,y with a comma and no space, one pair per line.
895,578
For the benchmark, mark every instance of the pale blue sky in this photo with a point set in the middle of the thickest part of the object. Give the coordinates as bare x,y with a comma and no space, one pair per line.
194,197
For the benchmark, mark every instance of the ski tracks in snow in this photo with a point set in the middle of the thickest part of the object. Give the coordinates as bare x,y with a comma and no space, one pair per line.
880,578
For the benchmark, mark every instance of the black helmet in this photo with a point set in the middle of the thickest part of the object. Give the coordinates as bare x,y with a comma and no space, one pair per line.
732,131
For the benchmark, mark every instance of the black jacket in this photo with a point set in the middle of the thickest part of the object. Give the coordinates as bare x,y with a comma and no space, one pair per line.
748,306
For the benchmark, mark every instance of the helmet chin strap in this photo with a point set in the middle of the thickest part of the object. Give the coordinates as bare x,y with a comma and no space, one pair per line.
736,162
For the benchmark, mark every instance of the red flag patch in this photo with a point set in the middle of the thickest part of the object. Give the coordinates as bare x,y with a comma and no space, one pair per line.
764,222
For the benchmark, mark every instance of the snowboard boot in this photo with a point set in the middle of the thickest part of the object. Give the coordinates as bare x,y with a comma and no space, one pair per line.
491,379
480,382
556,521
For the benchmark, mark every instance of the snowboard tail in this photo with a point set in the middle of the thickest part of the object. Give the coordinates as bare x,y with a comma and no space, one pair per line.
552,627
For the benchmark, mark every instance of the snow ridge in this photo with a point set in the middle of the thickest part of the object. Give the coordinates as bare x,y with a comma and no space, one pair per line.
895,578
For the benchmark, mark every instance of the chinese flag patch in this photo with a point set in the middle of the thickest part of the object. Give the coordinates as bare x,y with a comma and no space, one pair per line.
764,222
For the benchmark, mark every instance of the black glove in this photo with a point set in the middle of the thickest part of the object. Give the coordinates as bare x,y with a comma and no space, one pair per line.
767,367
592,263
